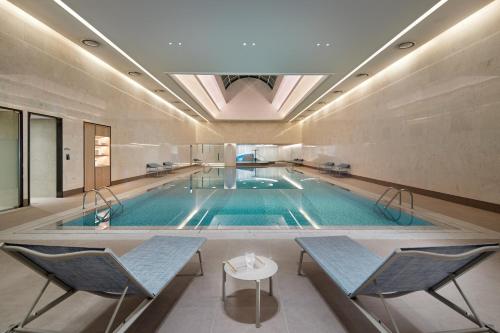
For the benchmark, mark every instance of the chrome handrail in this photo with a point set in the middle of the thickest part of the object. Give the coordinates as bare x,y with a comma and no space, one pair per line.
411,196
398,193
114,195
383,194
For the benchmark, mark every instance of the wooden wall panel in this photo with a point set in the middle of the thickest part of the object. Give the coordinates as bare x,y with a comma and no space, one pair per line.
88,158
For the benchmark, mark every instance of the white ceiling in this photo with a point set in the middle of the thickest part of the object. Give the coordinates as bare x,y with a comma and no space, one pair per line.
212,33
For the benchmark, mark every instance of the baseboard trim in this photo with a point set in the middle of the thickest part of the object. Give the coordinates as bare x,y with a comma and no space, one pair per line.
71,192
485,205
129,179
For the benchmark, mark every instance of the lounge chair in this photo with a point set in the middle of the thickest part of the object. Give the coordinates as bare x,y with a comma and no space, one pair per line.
343,169
153,169
143,272
326,167
168,166
358,271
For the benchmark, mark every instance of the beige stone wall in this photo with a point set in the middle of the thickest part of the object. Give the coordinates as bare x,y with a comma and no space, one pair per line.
431,120
40,71
249,132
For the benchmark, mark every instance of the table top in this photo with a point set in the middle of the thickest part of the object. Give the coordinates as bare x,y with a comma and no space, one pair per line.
264,268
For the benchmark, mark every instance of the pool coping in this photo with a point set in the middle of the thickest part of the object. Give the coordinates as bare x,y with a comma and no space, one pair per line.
443,227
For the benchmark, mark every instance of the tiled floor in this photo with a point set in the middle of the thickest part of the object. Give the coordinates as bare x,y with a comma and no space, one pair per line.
300,304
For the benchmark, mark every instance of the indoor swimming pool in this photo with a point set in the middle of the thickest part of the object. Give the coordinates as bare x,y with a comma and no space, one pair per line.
229,198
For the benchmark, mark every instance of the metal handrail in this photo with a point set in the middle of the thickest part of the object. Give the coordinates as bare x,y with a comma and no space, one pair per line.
398,193
114,195
411,196
383,194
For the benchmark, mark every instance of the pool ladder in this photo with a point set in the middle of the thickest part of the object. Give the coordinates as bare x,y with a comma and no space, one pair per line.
397,194
103,215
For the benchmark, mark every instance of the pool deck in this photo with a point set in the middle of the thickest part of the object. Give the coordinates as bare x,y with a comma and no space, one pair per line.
300,304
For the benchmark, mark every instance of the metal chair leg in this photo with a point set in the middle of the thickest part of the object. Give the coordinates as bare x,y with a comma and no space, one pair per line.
201,263
299,271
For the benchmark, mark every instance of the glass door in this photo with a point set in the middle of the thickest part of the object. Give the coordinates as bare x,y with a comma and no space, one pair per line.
10,159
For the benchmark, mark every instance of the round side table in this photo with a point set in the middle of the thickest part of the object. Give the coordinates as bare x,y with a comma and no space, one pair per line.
265,268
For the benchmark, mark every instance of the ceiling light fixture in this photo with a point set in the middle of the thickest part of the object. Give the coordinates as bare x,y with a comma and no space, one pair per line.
91,43
362,75
134,73
386,45
179,44
327,44
244,43
253,44
70,11
406,45
318,44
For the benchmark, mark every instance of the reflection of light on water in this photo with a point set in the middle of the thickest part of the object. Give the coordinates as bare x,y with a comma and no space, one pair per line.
293,182
293,216
193,213
309,219
266,179
201,220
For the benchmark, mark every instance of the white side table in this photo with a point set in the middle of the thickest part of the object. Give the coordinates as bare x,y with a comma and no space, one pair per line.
265,269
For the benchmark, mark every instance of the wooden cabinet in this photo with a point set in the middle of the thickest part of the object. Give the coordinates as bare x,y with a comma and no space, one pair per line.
97,156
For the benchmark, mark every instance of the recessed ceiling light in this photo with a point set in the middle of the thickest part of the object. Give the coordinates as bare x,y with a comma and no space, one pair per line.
253,44
134,73
91,42
179,44
406,45
170,43
337,91
362,75
318,44
244,43
327,44
159,90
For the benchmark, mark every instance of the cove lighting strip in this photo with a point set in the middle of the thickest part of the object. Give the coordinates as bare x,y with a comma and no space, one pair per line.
70,11
385,46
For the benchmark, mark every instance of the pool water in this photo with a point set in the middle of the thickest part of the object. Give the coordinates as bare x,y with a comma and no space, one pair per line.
222,198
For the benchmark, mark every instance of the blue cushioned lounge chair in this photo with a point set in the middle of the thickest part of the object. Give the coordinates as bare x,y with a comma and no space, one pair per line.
144,272
153,169
358,271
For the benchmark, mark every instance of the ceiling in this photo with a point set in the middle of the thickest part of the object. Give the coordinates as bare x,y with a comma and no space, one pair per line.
242,37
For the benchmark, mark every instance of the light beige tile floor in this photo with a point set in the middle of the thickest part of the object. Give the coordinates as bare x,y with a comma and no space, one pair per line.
300,304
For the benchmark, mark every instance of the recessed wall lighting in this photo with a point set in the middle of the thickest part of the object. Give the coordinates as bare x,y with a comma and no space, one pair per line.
406,45
173,43
325,44
91,43
362,75
134,73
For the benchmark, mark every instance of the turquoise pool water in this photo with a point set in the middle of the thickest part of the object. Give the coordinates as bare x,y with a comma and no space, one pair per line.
221,198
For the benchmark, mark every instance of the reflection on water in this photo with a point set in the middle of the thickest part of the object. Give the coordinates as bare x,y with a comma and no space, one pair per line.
219,198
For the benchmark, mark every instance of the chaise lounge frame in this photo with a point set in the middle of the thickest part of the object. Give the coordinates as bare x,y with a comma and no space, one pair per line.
18,251
480,253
